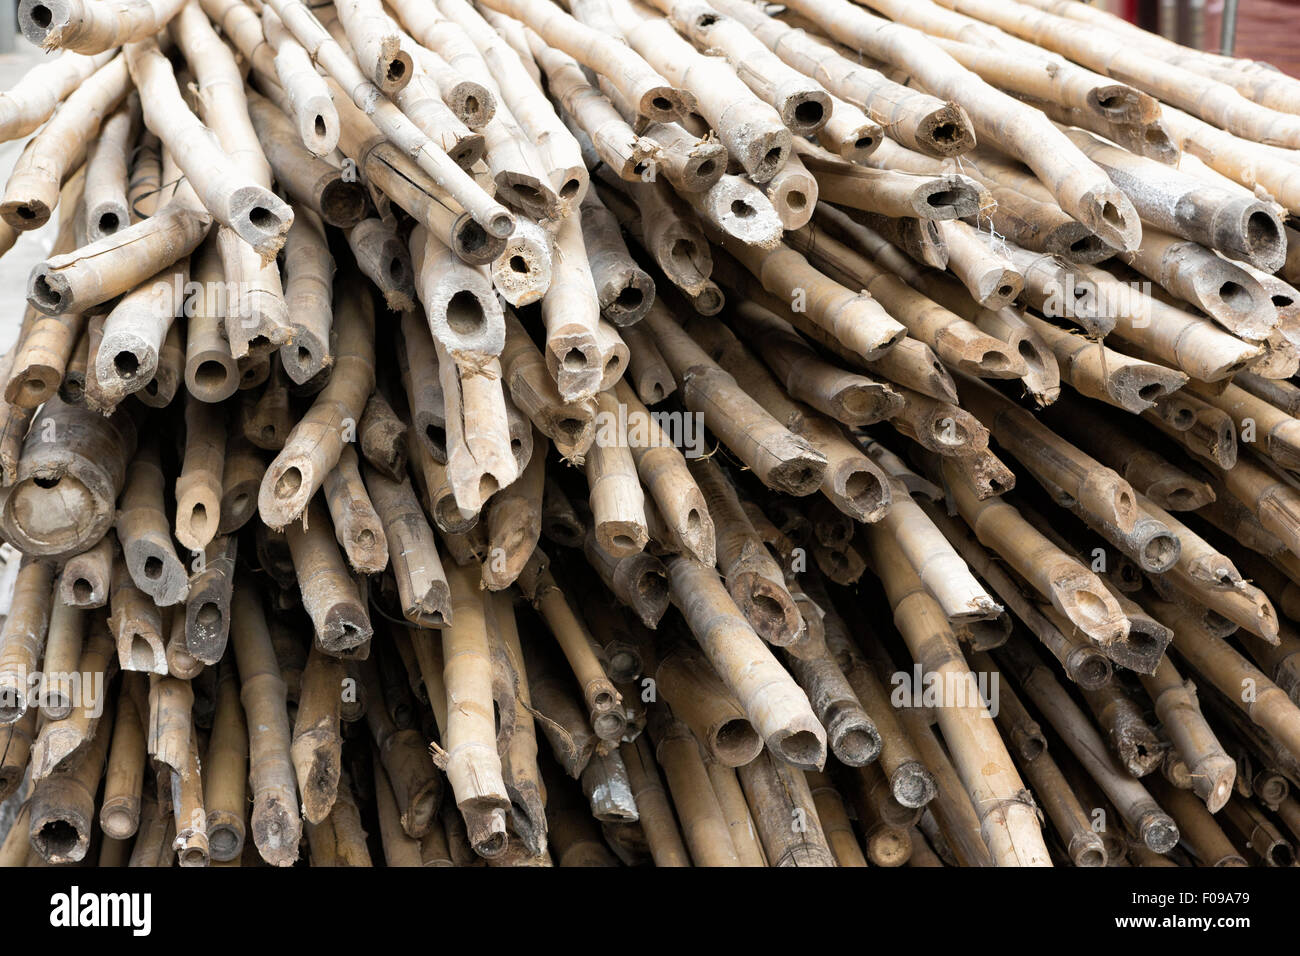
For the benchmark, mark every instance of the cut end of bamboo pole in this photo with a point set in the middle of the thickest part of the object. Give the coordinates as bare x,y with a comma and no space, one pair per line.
260,218
1109,213
946,131
343,203
277,829
913,785
802,747
1158,831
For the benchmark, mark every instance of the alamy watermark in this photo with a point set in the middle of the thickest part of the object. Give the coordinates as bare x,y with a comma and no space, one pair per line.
921,688
655,429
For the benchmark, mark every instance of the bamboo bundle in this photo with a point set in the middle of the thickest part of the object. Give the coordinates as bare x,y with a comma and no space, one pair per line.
809,180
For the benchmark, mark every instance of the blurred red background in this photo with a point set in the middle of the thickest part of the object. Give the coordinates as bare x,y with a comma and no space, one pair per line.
1267,30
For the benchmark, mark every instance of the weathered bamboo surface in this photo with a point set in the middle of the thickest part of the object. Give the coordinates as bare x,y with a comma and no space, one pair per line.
648,433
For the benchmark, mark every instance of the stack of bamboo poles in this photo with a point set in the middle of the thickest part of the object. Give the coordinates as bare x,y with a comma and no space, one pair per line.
598,433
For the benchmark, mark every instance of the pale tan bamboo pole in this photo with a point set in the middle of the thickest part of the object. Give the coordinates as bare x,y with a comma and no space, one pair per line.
1079,186
625,292
571,312
580,649
1266,704
198,486
882,820
340,839
699,699
15,748
382,437
417,788
934,560
911,784
463,314
1070,587
704,825
689,163
834,818
856,321
1245,818
226,760
62,807
559,151
329,594
312,182
276,825
636,81
63,650
88,448
754,579
383,259
421,583
479,456
470,755
514,525
749,127
1156,828
792,192
1197,826
616,497
249,209
32,100
780,458
1150,473
1214,581
1049,785
137,625
1083,662
22,640
314,445
1008,825
106,209
54,155
1196,425
534,392
224,108
663,470
1058,465
211,374
239,482
907,115
731,798
655,809
667,228
119,813
772,701
377,44
784,813
519,764
315,39
1095,371
358,528
1185,88
846,396
890,192
1212,771
803,105
279,60
145,533
639,581
1270,499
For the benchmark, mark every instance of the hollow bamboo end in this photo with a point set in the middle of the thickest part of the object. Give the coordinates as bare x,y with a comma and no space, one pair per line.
803,748
913,785
343,203
1158,831
25,212
276,830
946,131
